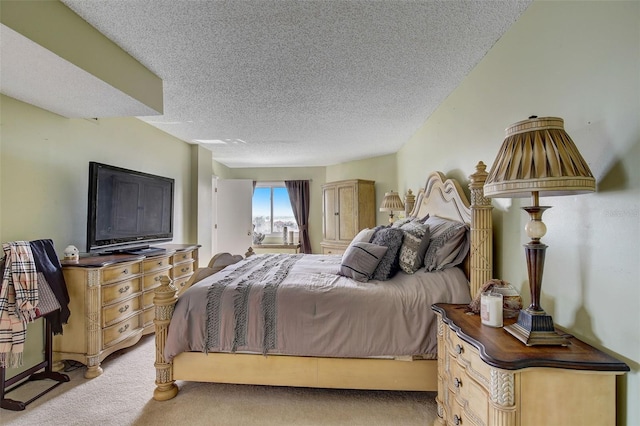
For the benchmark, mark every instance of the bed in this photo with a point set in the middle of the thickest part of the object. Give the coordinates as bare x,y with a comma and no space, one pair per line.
243,336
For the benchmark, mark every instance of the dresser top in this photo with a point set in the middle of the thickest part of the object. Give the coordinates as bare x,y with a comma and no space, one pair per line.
500,349
99,261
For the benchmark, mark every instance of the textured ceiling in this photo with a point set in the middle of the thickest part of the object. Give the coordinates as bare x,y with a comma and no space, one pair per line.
301,83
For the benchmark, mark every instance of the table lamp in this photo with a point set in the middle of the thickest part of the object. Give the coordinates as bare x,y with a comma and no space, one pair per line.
537,158
391,203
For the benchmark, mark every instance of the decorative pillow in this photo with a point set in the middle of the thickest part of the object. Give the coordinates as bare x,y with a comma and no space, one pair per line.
414,246
448,244
398,223
376,229
360,260
390,263
364,236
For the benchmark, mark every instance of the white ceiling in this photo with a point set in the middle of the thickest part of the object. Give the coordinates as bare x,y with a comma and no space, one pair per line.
301,83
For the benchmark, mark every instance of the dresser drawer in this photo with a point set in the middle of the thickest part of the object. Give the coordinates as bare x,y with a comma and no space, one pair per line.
120,331
468,357
147,297
121,271
471,397
458,414
181,284
187,256
118,311
153,279
119,291
156,264
181,270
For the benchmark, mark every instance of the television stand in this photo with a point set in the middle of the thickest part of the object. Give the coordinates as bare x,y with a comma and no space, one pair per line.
112,297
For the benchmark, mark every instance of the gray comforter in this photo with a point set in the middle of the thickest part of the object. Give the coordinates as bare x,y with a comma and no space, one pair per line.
299,305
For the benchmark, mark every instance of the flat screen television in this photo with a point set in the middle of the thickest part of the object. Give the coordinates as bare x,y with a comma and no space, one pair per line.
127,209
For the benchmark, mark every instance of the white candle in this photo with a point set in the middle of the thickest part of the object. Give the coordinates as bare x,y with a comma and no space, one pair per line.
491,309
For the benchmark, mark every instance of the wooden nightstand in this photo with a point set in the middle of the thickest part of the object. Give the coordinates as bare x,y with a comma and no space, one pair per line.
487,377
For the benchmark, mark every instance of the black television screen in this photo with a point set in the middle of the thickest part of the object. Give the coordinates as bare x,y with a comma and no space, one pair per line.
127,209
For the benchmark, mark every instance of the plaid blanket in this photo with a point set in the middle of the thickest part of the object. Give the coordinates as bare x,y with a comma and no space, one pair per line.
18,301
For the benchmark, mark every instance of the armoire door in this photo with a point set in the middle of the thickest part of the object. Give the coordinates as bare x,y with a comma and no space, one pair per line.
329,214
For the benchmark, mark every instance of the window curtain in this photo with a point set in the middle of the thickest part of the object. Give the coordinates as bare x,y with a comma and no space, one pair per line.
299,196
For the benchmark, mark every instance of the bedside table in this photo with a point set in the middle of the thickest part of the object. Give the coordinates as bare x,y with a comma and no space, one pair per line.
487,377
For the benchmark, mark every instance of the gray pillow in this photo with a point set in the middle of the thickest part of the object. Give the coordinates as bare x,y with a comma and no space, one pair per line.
448,245
414,246
390,263
360,260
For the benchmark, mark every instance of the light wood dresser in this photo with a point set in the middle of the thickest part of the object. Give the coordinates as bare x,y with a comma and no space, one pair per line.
111,301
348,206
487,377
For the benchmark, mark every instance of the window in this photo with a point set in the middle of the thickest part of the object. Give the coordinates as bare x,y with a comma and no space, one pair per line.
272,209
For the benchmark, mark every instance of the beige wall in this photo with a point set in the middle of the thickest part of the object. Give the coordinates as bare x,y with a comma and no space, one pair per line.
382,170
579,61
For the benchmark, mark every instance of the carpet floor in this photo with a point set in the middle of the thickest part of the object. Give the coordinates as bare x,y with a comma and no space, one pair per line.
122,395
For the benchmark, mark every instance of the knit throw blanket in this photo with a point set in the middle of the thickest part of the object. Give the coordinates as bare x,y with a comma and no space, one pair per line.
18,301
262,274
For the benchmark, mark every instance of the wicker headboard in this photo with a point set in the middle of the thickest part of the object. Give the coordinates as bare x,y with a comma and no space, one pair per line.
445,198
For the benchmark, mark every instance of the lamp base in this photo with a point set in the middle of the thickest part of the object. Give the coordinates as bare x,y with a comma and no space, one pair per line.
536,328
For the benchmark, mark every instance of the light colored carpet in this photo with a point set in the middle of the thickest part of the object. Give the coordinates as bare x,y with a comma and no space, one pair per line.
122,395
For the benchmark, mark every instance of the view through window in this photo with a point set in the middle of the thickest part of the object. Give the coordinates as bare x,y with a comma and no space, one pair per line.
272,209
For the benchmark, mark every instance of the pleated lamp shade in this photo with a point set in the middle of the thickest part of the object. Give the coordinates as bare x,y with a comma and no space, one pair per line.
391,202
537,155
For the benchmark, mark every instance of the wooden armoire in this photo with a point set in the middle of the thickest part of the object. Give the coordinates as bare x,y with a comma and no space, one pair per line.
348,206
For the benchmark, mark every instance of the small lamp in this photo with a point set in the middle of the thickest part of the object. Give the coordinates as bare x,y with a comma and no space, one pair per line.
391,203
537,158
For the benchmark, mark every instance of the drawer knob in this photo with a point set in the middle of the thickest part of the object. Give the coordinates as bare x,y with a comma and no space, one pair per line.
160,263
124,289
124,309
457,420
157,278
457,382
123,329
459,349
125,272
184,269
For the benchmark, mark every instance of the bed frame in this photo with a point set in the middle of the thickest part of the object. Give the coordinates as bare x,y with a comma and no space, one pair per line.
440,196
